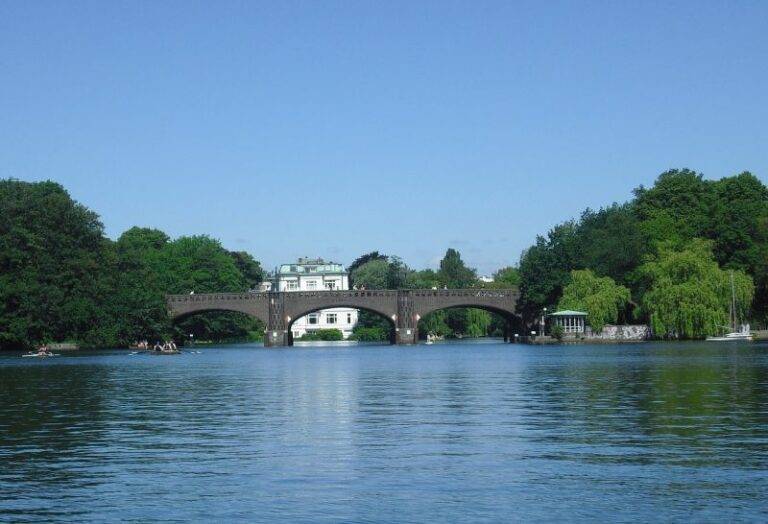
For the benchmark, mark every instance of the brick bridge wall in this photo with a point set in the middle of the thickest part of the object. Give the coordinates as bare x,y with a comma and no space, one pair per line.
404,308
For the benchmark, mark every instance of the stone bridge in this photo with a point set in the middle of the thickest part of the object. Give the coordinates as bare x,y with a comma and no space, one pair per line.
404,308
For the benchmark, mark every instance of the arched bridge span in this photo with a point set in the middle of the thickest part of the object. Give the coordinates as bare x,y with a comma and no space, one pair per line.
404,307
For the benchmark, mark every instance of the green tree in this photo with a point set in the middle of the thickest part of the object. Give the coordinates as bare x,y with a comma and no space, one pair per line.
611,242
56,268
249,267
374,274
424,279
739,230
545,269
478,323
139,296
454,273
688,294
361,260
683,195
507,277
600,297
435,324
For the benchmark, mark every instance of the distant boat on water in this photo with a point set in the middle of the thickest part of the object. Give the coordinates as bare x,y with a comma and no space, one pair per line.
743,333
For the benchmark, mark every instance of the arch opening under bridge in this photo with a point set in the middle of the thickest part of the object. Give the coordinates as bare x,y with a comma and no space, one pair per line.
447,321
377,313
216,326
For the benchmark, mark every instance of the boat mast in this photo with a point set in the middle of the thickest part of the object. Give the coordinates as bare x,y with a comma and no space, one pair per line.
733,304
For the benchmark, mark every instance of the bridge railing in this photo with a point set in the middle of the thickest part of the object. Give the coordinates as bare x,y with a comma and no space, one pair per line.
208,297
249,295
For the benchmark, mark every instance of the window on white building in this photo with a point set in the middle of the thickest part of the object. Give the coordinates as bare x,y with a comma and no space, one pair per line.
293,285
349,318
330,285
311,284
312,319
330,318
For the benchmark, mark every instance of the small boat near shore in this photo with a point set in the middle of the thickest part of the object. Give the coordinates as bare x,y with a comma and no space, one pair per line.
40,355
743,334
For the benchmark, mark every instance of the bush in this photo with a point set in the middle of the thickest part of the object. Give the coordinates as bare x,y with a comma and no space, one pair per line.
369,334
323,334
557,331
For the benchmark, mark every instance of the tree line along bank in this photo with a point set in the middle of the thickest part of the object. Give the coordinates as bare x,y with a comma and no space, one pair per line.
663,258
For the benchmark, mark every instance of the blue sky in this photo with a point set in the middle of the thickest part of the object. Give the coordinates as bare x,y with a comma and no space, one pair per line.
321,128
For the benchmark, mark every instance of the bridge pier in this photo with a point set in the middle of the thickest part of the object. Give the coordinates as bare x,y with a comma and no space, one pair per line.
406,336
406,325
277,338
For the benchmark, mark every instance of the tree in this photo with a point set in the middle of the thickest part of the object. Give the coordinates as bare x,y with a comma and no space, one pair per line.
361,260
424,279
507,277
434,324
453,273
683,195
600,297
478,322
399,273
56,268
545,268
738,228
139,301
249,267
374,274
688,295
611,242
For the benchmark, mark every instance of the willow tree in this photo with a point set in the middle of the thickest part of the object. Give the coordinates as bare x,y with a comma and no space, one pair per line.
689,295
600,297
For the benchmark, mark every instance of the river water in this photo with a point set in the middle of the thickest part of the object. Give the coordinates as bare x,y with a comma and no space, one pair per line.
470,432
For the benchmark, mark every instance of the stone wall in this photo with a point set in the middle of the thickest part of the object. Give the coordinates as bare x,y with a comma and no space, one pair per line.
620,332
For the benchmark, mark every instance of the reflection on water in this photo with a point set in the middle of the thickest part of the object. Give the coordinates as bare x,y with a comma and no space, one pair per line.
466,431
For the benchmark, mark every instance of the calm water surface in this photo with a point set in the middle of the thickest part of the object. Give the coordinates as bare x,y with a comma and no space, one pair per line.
443,433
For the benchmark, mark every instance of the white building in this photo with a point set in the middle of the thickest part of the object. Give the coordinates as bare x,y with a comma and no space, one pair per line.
317,275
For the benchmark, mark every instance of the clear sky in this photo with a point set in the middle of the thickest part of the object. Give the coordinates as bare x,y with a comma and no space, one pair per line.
331,129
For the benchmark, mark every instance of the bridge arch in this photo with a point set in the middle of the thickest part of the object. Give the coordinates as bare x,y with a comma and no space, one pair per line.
504,325
251,304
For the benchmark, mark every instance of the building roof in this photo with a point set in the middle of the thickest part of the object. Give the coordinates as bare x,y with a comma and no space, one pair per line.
568,313
316,266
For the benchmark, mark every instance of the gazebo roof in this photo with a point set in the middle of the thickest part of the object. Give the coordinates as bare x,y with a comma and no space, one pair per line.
568,313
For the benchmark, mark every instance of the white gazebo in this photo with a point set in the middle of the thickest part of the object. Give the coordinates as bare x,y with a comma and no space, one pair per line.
571,321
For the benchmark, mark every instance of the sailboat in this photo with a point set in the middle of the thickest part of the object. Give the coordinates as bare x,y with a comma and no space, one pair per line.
743,332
